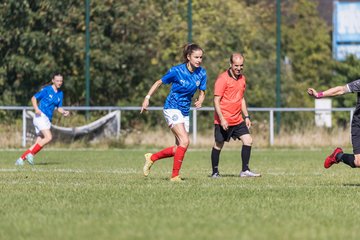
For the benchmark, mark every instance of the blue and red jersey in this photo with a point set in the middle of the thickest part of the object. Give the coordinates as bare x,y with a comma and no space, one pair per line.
49,100
184,85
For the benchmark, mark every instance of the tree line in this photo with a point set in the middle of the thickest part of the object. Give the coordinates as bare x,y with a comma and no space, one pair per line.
133,43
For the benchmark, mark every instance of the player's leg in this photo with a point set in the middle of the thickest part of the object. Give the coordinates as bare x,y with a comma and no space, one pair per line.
151,158
170,115
42,129
243,132
165,153
45,138
246,151
182,137
353,160
220,137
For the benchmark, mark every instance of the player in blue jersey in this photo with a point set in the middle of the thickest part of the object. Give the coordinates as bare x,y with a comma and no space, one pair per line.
185,80
44,102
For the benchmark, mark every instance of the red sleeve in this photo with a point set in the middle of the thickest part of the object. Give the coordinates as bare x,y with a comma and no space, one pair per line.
220,86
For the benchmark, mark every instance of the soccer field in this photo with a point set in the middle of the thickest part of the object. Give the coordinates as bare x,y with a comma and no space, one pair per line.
102,194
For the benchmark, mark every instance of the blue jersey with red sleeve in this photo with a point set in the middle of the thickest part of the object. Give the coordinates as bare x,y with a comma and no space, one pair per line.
49,100
184,85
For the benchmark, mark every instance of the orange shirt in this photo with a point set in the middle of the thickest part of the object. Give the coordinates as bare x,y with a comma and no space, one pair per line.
231,92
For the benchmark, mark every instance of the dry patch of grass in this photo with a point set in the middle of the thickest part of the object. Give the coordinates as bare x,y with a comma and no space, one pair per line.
11,137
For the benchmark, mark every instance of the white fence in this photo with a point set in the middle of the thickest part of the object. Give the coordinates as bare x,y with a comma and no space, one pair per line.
271,112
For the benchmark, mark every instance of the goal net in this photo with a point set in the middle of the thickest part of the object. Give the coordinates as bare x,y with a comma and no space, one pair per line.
107,127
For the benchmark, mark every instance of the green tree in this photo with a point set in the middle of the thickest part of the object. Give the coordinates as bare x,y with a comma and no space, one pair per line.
307,49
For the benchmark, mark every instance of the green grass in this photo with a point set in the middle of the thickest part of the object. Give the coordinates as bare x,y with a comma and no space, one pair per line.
102,195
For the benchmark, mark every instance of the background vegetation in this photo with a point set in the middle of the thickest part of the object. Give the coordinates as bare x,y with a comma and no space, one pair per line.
133,43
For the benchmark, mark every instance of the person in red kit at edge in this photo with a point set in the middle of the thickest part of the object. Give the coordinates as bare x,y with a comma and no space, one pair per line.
353,160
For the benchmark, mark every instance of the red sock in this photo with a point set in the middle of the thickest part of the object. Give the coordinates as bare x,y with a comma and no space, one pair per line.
25,153
167,152
36,149
178,159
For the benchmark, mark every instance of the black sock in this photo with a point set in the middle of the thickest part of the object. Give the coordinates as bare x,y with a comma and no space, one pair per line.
215,154
346,158
245,157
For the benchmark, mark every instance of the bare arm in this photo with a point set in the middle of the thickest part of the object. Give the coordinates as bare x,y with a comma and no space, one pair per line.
246,113
335,91
152,90
63,111
200,99
35,105
224,124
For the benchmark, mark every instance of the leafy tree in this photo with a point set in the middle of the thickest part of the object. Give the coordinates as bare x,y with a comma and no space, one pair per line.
307,47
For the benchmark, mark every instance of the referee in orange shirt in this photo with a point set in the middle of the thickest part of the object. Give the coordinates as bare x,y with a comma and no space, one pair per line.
230,106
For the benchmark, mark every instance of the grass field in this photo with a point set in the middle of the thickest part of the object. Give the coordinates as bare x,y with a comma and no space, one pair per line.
101,194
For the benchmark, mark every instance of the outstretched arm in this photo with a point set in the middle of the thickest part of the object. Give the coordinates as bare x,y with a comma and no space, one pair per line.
153,88
335,91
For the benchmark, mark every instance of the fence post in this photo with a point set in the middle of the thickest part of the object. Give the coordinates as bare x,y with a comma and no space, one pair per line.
119,124
194,125
24,128
271,122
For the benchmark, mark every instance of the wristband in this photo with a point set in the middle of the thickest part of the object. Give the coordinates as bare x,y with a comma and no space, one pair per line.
247,117
320,95
147,96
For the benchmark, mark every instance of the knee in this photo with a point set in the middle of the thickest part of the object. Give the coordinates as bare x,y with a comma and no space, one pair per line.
48,138
185,142
218,145
248,141
357,160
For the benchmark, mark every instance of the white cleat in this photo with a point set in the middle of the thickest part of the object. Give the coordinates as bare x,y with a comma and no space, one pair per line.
19,162
248,173
30,159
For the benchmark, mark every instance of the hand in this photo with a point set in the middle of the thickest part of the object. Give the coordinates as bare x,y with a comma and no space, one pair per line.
312,92
144,105
248,122
37,112
198,103
65,113
224,124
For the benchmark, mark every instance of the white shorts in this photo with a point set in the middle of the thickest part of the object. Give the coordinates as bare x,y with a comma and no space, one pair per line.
41,122
174,116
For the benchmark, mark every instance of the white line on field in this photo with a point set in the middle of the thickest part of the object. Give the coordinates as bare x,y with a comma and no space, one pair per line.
69,170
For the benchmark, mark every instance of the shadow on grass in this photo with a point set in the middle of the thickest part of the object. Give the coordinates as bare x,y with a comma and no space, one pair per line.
351,185
48,163
228,175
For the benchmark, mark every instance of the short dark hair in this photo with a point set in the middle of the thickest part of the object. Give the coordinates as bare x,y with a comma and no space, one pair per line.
56,73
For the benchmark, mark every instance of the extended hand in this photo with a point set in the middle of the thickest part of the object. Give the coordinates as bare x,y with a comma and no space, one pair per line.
312,92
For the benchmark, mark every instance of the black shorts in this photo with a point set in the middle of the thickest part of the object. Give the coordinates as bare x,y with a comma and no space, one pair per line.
355,136
234,132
